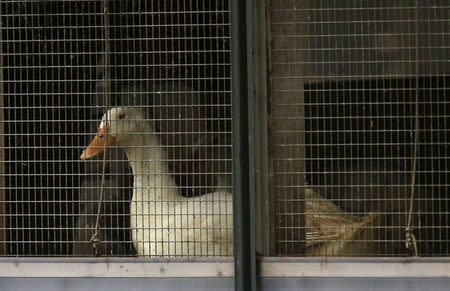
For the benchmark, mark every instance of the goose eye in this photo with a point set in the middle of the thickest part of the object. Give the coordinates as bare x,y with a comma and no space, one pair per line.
122,116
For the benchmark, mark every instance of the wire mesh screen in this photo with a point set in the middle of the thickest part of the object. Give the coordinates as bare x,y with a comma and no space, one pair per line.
352,85
162,70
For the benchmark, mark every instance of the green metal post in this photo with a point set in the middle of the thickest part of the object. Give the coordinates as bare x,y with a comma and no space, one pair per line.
244,245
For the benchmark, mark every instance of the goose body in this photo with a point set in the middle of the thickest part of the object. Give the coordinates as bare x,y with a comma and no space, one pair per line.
164,223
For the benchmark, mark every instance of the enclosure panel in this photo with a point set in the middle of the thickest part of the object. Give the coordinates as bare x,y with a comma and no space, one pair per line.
346,79
166,64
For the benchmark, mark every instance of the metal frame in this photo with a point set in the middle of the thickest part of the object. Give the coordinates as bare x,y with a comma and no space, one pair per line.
272,267
115,267
258,125
356,267
242,97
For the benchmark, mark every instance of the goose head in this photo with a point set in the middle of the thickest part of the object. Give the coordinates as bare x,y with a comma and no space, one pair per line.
118,127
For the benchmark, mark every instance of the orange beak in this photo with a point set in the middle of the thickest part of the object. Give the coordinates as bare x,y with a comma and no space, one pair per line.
97,144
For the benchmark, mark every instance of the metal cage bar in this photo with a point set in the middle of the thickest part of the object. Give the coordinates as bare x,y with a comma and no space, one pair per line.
243,208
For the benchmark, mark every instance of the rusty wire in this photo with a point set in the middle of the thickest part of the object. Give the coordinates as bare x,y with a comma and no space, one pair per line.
95,240
410,239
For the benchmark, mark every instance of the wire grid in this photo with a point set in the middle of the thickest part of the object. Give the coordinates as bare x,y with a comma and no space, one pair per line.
350,67
171,59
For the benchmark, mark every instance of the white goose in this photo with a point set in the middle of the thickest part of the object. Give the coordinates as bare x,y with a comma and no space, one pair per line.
163,222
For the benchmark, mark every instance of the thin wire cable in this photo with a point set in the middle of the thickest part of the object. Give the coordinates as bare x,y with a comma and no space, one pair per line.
410,239
95,238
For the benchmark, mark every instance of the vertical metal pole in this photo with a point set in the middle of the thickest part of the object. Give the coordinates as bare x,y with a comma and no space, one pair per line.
2,159
244,246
